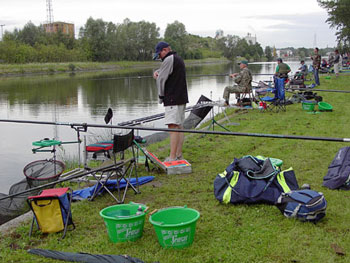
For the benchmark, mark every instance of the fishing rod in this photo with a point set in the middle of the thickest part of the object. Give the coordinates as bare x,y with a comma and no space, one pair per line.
303,89
85,125
161,115
325,90
191,75
263,82
74,176
261,135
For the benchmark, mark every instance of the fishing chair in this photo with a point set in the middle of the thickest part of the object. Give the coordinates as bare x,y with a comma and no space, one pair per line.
111,178
277,102
52,210
245,98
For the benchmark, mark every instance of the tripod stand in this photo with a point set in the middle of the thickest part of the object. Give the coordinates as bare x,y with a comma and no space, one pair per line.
213,121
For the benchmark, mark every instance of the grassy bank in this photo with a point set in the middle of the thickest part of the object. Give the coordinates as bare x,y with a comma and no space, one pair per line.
226,233
52,68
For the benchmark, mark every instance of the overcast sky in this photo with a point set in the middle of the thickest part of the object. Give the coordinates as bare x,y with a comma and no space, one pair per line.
279,23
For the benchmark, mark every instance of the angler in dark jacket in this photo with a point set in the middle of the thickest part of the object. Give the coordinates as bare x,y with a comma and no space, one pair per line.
316,64
172,92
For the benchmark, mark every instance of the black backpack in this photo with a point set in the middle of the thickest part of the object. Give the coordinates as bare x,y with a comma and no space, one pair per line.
338,175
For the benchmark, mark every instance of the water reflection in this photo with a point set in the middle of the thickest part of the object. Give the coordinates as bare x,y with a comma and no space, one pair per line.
85,98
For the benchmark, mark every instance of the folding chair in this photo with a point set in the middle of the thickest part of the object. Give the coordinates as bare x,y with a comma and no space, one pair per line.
122,169
99,148
245,98
52,210
277,102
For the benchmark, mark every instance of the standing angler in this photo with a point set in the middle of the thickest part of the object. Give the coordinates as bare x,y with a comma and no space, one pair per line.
172,92
282,69
316,64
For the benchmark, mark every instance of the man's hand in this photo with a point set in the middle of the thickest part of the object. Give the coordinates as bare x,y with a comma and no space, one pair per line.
155,74
233,75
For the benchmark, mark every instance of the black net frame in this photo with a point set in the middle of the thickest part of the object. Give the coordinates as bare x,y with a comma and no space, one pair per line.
43,171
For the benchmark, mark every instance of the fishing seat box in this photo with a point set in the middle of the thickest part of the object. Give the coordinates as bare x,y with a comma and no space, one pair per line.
99,150
52,210
178,167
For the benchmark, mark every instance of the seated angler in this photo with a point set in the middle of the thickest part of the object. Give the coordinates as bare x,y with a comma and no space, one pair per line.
324,64
303,68
243,82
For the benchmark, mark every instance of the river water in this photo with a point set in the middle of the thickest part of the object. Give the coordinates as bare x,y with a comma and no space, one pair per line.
85,98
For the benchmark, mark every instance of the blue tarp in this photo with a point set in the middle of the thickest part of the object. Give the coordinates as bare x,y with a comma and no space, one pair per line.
111,184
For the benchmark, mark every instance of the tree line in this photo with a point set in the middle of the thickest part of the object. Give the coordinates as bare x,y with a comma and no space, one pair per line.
101,41
339,18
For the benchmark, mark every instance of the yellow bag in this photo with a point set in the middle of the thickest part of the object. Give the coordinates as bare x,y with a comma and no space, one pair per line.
48,215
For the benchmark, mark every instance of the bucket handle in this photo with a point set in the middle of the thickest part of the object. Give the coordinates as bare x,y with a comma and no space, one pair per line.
144,211
156,210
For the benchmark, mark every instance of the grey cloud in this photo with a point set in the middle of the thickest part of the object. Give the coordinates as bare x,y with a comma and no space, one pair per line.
297,30
10,22
299,21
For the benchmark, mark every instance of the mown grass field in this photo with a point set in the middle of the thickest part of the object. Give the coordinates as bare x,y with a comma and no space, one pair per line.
226,233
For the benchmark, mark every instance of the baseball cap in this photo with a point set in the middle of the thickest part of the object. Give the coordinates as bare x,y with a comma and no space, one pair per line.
243,62
159,48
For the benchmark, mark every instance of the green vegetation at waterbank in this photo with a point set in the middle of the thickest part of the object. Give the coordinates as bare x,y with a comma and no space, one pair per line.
226,233
77,67
101,41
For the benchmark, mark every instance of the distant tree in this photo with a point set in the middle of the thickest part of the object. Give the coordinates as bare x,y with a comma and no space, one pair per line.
258,51
268,53
136,40
229,46
303,52
243,48
30,34
95,34
175,34
147,37
338,17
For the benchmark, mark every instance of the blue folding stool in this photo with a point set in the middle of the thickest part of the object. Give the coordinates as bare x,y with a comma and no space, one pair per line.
277,102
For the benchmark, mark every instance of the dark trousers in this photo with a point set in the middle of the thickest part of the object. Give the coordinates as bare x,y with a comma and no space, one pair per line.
317,79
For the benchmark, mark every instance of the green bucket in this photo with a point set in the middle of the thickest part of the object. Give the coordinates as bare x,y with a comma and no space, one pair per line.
324,106
175,226
124,222
308,105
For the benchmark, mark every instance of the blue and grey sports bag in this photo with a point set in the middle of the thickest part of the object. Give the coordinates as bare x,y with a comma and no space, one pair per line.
338,175
305,205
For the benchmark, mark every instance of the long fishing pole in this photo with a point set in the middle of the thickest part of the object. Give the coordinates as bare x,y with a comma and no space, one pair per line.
325,90
261,135
161,115
191,75
305,89
74,176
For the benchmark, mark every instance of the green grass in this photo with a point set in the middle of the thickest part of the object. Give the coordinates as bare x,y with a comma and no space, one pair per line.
226,233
